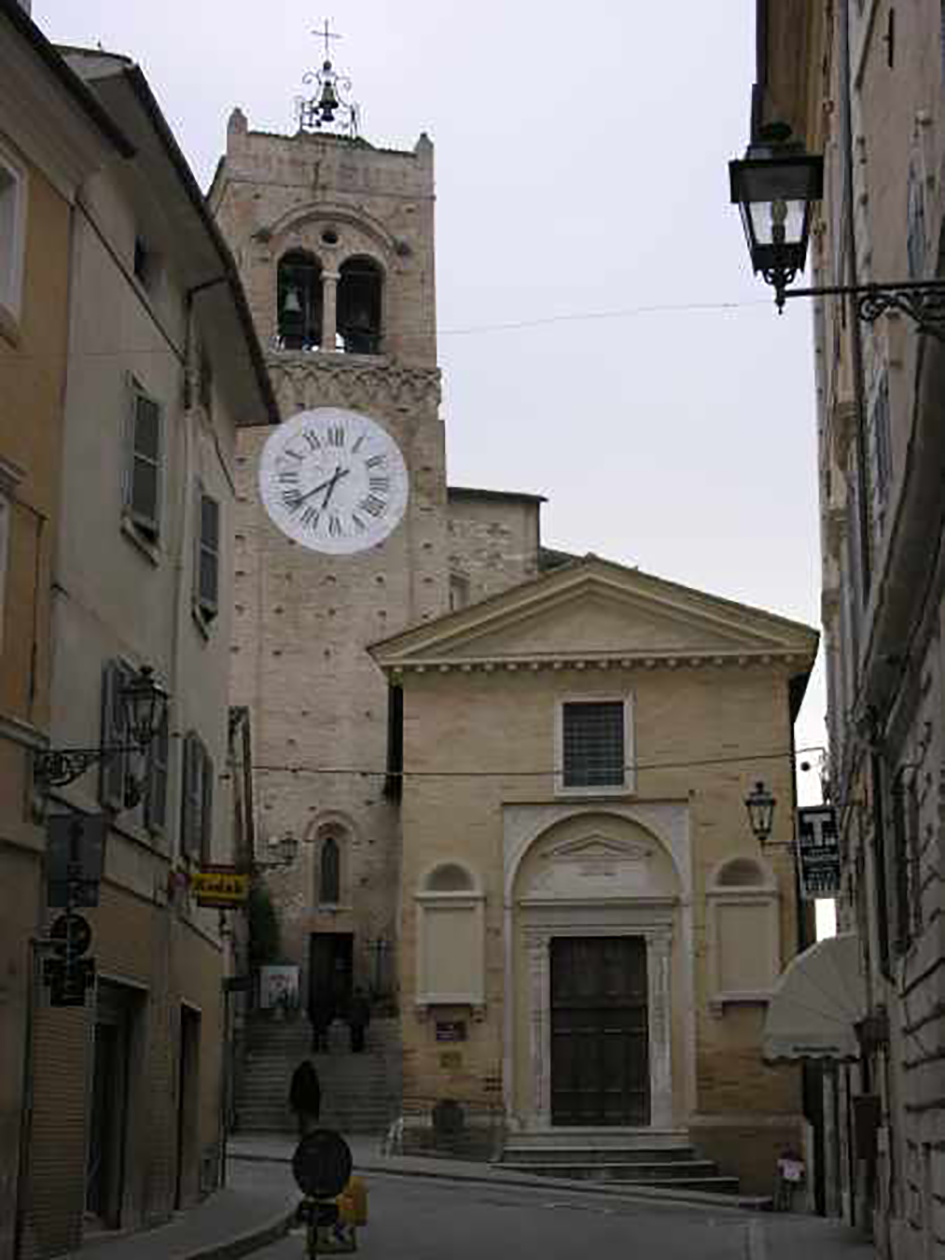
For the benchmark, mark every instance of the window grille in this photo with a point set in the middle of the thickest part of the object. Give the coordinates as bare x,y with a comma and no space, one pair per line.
593,744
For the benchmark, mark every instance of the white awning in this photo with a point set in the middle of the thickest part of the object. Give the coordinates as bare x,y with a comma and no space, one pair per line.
816,1002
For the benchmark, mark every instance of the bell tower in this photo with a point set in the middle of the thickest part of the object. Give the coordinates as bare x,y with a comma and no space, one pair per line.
334,242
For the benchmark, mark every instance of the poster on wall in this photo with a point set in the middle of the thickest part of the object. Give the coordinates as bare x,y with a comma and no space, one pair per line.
818,852
278,986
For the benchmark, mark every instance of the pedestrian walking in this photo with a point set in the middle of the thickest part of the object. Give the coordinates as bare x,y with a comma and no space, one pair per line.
321,1012
359,1016
305,1096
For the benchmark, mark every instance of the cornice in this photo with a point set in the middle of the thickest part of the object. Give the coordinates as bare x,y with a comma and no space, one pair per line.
594,663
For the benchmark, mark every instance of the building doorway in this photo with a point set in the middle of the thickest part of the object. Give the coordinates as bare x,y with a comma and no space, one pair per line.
187,1180
108,1115
330,970
600,1071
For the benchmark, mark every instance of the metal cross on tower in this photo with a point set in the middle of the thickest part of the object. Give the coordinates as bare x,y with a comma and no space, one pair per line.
329,108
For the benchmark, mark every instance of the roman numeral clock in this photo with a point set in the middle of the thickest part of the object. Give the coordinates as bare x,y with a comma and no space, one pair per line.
333,480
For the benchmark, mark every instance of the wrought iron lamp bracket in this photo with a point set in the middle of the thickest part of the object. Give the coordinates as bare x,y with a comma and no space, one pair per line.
58,767
922,301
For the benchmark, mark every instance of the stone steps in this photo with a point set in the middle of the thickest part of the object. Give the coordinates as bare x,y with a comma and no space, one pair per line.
668,1163
360,1092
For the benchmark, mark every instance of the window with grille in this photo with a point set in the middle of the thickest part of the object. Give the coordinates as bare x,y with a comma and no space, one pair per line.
593,744
144,459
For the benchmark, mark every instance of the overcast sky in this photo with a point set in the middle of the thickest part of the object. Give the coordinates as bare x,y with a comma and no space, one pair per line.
602,339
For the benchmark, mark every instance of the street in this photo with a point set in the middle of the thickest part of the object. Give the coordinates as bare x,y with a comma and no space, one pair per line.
423,1219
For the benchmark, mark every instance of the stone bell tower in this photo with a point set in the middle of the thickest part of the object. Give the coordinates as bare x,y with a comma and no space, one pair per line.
334,243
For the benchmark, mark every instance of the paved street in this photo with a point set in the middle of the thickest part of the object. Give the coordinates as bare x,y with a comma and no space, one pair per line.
418,1219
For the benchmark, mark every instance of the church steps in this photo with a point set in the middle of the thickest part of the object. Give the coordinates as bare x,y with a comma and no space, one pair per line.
662,1160
360,1092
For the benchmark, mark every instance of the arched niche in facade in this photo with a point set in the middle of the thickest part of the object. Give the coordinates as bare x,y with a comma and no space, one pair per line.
743,920
451,952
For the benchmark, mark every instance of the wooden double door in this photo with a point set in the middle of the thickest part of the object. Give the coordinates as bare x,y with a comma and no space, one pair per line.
600,1071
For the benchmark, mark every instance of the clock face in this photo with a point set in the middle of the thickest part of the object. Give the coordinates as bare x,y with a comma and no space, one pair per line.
333,480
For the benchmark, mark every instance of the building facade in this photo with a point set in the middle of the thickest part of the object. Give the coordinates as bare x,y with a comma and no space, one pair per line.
53,135
150,356
862,83
579,877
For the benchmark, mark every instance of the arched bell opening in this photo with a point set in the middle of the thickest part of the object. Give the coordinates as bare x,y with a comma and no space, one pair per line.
299,301
360,301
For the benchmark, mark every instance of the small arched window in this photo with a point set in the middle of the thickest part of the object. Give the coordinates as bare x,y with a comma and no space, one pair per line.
299,301
359,306
329,889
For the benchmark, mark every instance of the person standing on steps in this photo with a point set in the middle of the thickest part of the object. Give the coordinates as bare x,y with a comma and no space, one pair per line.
305,1096
359,1016
320,1013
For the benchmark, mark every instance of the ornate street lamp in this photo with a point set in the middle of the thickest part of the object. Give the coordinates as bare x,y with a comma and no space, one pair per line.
286,850
775,185
144,707
760,805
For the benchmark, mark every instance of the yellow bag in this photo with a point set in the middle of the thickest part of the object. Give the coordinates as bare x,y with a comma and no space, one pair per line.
352,1202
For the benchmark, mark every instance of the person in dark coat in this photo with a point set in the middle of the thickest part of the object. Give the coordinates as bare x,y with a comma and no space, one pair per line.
320,1013
305,1096
359,1016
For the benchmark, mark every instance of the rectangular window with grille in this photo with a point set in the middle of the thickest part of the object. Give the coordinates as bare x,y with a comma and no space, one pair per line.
145,455
593,744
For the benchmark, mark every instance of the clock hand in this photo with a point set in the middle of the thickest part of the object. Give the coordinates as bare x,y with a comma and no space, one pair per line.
336,476
339,473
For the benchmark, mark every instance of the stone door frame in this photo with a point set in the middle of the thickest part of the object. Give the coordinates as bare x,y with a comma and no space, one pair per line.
584,921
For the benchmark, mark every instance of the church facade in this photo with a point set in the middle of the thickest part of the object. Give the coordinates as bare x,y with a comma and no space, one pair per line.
421,673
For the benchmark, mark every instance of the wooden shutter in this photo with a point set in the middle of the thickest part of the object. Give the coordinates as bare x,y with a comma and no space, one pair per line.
155,801
208,554
143,494
111,788
206,805
190,796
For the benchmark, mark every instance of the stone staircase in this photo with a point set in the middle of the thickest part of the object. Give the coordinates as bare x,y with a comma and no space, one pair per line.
360,1092
660,1160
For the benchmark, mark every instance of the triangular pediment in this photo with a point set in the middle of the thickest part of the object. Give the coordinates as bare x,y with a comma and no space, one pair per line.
595,849
597,610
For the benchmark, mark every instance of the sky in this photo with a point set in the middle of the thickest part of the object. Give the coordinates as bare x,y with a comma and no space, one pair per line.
602,339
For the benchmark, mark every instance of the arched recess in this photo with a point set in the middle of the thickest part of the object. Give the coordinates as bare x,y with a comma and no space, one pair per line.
743,920
299,305
604,884
360,305
332,843
451,954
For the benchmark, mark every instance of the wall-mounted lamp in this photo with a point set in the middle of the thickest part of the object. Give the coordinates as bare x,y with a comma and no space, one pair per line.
775,185
286,850
760,805
144,706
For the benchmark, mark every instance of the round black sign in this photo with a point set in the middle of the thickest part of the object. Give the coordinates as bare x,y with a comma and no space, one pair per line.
71,934
322,1164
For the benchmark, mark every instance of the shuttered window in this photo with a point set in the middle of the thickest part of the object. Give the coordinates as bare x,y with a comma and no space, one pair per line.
143,477
155,801
197,800
112,768
207,577
593,744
